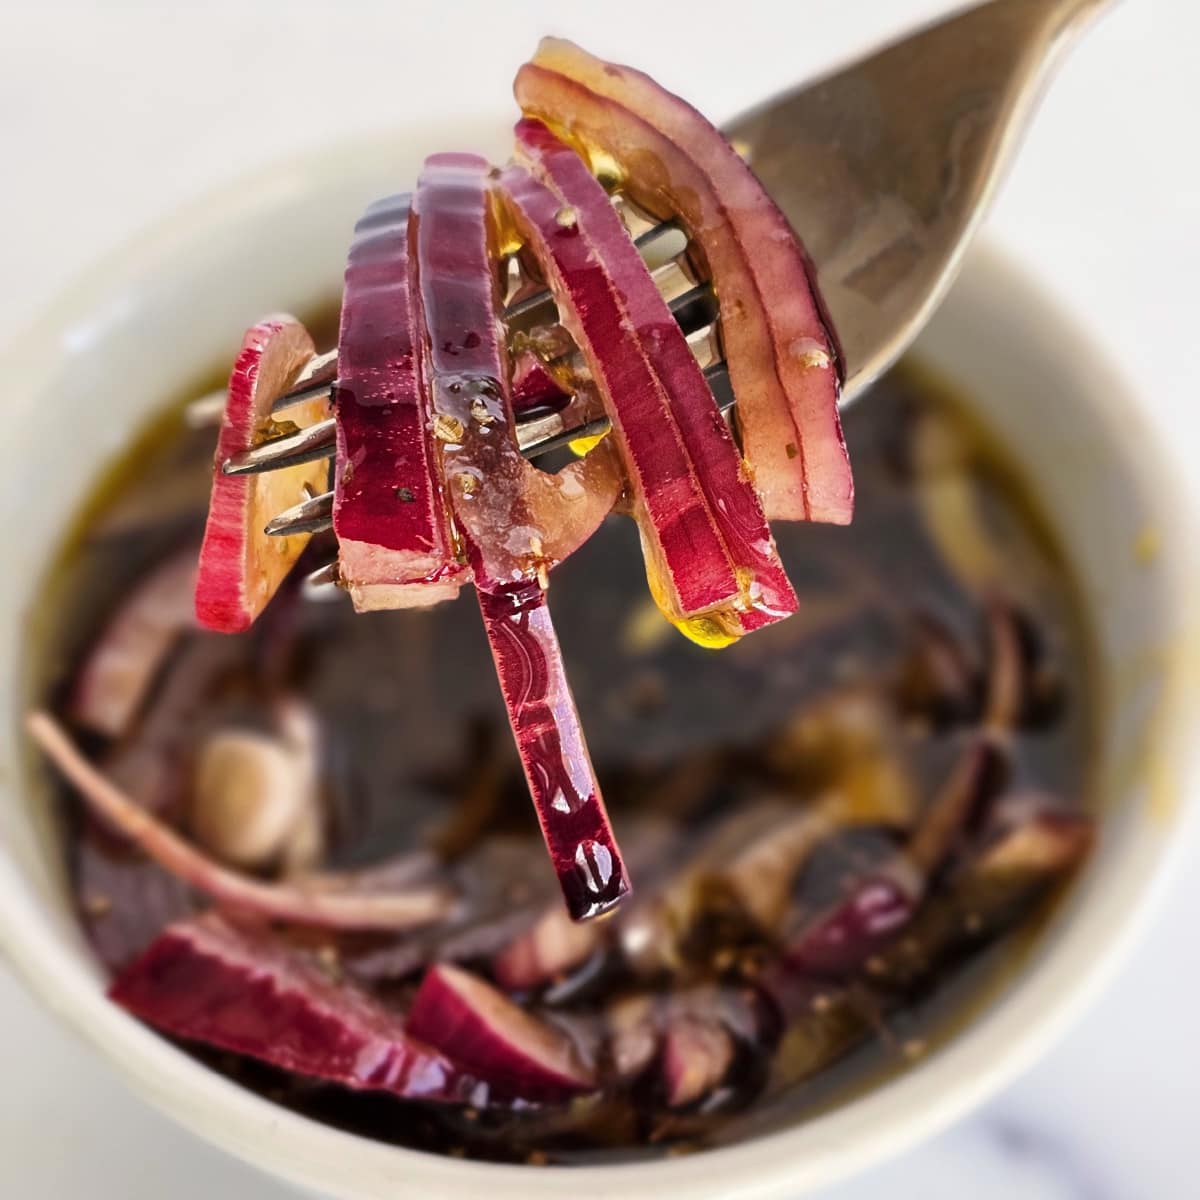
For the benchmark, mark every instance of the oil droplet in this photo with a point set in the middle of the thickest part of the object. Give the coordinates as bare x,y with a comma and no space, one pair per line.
603,165
595,865
566,217
582,445
447,428
809,352
480,412
706,631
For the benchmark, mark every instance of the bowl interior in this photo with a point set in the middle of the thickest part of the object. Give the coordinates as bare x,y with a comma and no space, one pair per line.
152,322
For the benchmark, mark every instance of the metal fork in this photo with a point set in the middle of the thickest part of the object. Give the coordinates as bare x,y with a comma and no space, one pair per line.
885,168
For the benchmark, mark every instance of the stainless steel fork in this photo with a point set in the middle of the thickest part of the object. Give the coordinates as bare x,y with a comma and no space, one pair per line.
885,168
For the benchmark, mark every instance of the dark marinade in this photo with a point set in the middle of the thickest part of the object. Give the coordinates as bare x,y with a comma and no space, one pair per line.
741,989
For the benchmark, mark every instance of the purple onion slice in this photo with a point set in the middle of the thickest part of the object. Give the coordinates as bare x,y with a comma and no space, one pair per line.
781,357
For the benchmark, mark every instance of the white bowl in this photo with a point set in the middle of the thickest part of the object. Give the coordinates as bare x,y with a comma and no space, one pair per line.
151,320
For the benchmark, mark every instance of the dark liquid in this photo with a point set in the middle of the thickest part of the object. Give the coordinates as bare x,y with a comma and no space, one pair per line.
686,742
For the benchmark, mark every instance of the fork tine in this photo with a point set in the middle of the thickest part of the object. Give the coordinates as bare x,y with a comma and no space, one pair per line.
312,515
288,450
663,245
313,382
537,434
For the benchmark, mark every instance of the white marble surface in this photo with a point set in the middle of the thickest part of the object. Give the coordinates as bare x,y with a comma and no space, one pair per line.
112,114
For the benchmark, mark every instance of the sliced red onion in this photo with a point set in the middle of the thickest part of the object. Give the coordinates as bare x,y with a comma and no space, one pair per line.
945,818
762,874
696,1057
842,939
330,901
517,520
634,1035
390,513
241,568
549,737
125,659
552,946
678,451
691,575
877,906
780,354
1006,674
208,981
487,1035
534,386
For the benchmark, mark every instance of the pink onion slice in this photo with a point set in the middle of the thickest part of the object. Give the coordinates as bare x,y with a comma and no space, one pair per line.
126,657
516,520
241,568
674,430
330,901
208,981
692,576
696,1057
549,736
781,358
487,1035
396,548
551,946
880,904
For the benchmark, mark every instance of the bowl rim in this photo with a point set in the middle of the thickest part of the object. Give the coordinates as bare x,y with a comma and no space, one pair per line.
818,1152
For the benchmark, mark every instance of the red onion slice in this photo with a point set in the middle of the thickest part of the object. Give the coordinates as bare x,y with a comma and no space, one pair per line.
780,355
395,544
516,521
208,981
487,1035
558,769
241,568
125,658
673,431
692,575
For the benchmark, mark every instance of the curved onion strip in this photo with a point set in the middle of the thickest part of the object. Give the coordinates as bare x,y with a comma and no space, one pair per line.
517,520
395,545
321,904
124,660
669,428
781,360
241,567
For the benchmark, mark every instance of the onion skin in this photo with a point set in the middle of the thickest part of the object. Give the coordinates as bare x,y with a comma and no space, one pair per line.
241,567
782,361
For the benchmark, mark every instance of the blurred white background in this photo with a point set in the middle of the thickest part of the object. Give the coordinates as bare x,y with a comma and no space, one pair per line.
113,114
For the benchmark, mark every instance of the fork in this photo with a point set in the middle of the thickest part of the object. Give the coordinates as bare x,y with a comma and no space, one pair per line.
885,167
